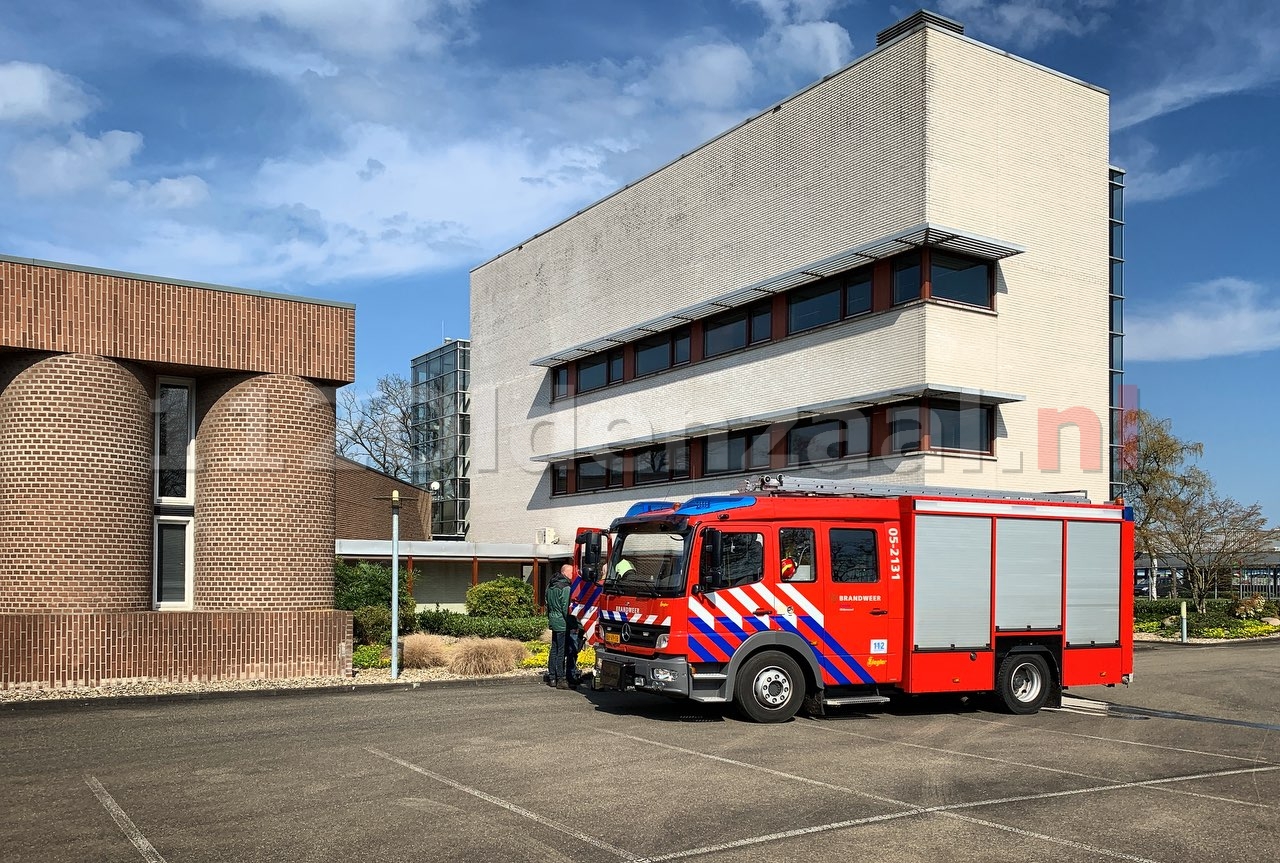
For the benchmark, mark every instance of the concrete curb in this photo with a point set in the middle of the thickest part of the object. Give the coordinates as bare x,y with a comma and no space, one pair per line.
54,704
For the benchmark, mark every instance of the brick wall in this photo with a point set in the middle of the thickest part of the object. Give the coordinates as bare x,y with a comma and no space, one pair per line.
75,484
264,494
66,649
54,307
364,504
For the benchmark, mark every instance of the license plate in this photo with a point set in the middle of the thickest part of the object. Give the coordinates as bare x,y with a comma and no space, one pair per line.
612,638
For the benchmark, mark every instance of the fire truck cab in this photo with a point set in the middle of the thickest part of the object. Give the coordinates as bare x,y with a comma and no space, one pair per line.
823,594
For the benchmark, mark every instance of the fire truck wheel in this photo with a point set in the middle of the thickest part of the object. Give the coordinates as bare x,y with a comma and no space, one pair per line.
1024,682
770,687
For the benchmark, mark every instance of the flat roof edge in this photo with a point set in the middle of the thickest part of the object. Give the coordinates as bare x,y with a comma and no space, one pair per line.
163,280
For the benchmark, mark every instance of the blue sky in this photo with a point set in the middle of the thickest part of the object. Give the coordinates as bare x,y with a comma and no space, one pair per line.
374,152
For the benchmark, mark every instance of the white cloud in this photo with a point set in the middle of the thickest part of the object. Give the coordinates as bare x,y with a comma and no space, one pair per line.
167,193
1027,23
1145,181
44,167
709,75
781,12
1222,318
811,50
346,28
35,94
1208,51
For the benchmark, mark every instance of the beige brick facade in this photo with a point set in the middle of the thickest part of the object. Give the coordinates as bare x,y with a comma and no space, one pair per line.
931,128
84,356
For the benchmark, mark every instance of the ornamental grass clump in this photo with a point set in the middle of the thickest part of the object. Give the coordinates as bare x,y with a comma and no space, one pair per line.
481,656
425,651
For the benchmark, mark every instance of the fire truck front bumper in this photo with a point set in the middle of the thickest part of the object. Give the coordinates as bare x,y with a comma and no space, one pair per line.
667,675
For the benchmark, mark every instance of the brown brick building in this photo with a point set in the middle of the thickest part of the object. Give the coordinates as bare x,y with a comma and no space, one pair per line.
166,478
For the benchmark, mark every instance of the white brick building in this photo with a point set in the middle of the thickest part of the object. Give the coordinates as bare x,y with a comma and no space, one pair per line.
899,273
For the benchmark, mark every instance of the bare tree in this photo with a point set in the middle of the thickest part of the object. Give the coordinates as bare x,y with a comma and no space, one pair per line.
1211,534
1156,465
377,428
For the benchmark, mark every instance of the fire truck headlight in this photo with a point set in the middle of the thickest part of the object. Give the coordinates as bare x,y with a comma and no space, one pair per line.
663,675
662,641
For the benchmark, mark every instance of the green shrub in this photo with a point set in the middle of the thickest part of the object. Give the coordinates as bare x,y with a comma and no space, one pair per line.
464,626
1159,609
538,653
372,624
503,598
370,656
364,584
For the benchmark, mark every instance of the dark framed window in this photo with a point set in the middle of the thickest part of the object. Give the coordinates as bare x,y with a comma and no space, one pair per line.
593,373
813,442
962,280
736,451
813,305
653,354
1117,240
680,347
560,382
742,558
662,463
798,551
602,471
1117,314
853,556
174,434
906,278
904,429
857,434
761,323
560,478
857,293
959,426
616,366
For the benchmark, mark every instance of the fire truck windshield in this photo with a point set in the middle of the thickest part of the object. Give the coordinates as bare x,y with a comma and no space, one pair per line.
648,561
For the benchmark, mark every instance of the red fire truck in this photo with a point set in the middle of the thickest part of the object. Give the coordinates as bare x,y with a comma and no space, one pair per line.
817,593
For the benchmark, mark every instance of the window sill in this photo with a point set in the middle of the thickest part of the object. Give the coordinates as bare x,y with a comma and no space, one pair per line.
964,307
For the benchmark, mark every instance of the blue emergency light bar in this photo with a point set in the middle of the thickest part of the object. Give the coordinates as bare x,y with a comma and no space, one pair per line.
704,505
647,506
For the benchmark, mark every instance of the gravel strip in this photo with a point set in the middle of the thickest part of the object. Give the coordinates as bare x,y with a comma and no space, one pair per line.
363,676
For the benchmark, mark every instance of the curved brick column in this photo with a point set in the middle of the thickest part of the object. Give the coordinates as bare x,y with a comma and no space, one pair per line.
75,485
264,494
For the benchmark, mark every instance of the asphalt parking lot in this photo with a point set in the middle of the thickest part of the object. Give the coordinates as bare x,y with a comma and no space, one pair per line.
1186,768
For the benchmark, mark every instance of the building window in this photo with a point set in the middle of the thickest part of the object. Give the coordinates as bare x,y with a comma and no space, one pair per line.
813,305
962,280
662,463
904,429
857,434
593,373
680,347
560,382
736,451
602,471
174,434
616,366
957,426
653,355
737,329
853,556
906,278
857,293
560,478
173,564
812,442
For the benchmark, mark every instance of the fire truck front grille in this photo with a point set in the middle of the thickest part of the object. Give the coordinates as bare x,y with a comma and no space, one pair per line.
628,634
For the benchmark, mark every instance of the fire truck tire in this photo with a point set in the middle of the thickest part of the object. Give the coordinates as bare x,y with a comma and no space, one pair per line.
769,687
1024,683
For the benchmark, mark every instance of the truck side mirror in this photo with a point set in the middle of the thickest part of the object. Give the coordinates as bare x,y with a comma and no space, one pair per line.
710,567
588,542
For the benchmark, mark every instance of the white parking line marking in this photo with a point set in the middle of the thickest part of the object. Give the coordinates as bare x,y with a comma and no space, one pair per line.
510,807
145,848
1116,740
946,810
823,727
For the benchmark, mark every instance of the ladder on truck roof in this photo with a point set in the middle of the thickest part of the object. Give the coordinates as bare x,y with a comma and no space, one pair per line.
780,484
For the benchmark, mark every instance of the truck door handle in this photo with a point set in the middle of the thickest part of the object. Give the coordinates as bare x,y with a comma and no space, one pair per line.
876,612
763,611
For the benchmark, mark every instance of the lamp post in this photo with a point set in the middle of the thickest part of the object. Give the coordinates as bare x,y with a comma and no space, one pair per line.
395,584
